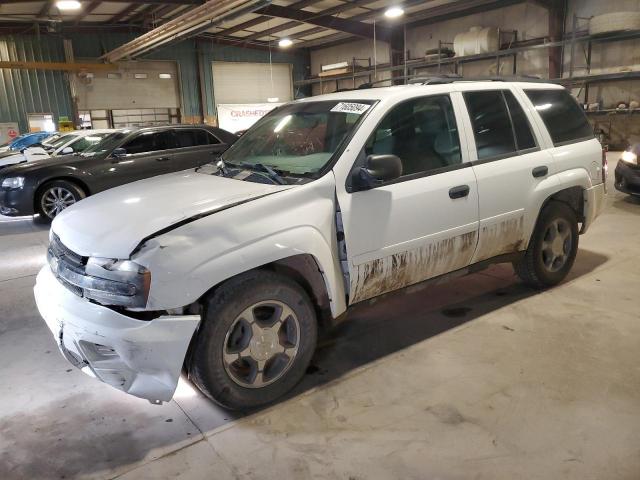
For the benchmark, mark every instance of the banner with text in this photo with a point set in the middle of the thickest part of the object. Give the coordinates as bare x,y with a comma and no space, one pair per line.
236,117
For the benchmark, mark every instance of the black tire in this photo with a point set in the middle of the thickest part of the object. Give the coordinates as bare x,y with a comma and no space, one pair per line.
69,191
537,268
222,310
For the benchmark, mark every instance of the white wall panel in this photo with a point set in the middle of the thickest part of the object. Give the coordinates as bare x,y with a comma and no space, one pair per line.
102,92
240,82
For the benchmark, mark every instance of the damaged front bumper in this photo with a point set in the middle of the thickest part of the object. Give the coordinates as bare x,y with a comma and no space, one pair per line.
142,358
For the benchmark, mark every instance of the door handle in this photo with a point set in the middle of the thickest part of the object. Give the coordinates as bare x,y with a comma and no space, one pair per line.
459,191
163,159
540,171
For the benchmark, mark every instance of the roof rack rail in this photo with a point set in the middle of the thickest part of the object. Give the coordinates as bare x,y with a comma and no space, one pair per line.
371,84
441,79
450,78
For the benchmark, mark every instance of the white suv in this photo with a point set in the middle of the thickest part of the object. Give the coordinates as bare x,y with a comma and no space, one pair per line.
229,269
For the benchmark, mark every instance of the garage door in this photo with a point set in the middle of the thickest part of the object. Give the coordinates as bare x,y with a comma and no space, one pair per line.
238,82
136,85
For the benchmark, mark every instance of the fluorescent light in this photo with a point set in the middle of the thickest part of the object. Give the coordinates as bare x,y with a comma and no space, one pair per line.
394,12
68,5
285,42
273,99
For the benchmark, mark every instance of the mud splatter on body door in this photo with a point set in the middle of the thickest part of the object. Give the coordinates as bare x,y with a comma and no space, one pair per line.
501,238
412,266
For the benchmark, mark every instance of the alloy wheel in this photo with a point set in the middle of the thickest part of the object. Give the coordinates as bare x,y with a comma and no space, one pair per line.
261,344
556,244
56,199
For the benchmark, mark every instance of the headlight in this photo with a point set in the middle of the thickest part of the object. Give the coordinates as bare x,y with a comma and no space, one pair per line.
13,182
627,156
107,281
117,282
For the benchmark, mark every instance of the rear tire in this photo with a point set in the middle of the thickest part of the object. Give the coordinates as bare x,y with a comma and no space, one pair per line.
56,196
256,340
552,249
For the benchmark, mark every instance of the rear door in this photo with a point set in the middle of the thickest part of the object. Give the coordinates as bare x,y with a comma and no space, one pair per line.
509,165
145,157
193,147
423,224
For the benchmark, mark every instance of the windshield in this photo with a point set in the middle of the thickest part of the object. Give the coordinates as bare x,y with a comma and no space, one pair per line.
60,141
299,138
107,144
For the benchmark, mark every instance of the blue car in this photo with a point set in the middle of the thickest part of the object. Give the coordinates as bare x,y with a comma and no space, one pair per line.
26,140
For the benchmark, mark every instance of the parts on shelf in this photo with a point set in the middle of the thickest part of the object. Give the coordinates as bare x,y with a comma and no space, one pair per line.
614,22
476,41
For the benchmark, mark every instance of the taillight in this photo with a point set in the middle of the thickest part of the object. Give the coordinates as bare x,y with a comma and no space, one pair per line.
605,168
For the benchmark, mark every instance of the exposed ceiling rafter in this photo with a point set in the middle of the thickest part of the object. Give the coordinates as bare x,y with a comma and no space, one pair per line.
187,25
327,12
123,13
87,11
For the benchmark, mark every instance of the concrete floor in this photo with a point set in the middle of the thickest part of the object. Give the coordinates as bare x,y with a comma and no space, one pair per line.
480,378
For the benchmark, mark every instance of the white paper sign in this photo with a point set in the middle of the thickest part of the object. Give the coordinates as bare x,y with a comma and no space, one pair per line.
357,108
236,117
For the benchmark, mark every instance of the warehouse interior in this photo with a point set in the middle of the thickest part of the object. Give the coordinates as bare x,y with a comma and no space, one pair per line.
478,377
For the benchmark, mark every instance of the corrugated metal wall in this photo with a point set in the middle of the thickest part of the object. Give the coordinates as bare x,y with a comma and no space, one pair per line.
32,91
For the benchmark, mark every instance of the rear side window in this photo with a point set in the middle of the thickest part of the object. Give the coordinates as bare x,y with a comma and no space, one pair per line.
193,137
491,124
148,142
521,127
562,116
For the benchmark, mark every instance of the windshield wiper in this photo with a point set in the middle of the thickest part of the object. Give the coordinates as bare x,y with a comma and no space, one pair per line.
266,169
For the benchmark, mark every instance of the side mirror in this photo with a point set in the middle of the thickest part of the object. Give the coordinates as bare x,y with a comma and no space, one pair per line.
119,152
377,170
66,150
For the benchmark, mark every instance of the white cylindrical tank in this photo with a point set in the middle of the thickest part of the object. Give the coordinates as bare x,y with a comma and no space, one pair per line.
476,40
614,22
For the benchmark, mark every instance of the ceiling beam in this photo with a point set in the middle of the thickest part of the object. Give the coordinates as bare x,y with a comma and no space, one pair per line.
87,10
310,15
123,13
429,16
142,13
70,67
262,19
44,11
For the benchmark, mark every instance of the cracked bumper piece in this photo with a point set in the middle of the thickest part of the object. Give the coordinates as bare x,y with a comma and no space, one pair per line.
142,358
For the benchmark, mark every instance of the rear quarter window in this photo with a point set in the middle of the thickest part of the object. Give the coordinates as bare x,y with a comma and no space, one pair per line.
561,114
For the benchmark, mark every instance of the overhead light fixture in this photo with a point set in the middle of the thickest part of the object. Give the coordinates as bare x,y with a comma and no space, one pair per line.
68,5
285,42
394,12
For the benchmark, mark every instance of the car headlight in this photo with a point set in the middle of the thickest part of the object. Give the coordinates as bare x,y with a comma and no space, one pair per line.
13,182
107,281
629,157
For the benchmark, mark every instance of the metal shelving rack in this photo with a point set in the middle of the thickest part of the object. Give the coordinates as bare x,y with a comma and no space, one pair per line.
573,39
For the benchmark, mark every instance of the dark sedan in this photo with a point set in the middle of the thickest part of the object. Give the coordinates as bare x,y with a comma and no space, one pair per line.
48,187
628,172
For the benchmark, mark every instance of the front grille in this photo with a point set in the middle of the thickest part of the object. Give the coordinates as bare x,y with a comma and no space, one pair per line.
60,256
60,251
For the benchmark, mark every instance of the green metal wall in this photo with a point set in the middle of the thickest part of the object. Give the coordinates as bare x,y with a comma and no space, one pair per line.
31,91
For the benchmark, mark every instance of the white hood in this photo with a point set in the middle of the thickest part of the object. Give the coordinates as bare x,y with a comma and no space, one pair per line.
111,224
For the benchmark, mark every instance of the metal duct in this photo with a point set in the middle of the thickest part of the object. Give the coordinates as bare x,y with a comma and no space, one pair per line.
186,25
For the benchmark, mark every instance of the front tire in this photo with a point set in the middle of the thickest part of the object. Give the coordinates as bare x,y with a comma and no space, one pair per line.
56,196
258,335
552,249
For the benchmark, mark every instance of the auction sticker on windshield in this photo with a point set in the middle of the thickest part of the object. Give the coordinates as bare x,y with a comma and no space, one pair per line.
358,108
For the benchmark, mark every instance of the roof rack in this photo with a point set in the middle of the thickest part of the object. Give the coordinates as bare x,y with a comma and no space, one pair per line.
450,78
